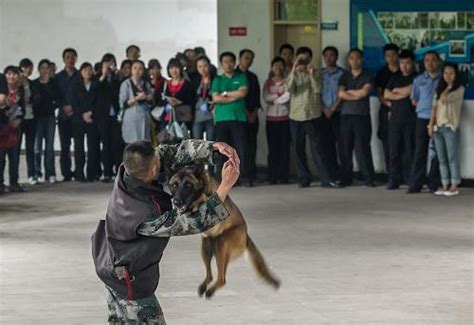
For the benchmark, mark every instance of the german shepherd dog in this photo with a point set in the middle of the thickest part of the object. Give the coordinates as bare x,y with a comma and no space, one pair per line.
227,240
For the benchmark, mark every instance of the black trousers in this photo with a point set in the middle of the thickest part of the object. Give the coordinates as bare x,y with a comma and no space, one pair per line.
418,175
331,142
235,134
110,136
312,129
278,140
81,129
356,132
65,137
382,134
252,131
401,134
28,128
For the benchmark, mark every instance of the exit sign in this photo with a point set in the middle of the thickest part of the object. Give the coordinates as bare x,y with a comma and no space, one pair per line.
237,31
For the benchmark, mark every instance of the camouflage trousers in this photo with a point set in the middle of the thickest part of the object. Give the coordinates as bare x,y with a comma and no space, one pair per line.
146,311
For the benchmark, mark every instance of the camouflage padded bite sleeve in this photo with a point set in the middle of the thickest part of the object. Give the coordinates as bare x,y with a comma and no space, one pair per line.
188,152
171,223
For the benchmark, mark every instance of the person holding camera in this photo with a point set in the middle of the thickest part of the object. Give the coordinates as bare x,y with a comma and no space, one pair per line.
305,118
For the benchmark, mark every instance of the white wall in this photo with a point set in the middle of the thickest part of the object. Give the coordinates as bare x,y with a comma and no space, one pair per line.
42,29
255,15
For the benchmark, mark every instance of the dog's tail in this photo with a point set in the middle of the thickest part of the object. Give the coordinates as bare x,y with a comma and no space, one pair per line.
259,264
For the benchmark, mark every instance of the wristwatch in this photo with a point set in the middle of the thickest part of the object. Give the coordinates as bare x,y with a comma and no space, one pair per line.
224,94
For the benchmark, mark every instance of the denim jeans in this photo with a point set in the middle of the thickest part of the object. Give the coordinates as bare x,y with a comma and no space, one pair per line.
447,147
45,128
13,162
200,127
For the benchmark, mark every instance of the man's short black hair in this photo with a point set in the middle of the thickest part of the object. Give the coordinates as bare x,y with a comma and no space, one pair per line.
11,68
391,47
243,51
406,54
44,61
356,50
26,63
332,49
189,50
69,50
286,46
199,50
433,53
228,53
133,46
303,50
137,158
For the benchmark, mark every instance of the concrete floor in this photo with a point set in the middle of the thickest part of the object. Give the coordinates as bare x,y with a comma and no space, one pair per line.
353,256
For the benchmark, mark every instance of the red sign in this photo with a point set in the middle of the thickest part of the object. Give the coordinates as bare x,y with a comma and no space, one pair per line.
237,31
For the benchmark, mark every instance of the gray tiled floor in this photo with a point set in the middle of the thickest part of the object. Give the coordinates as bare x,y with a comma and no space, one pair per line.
351,256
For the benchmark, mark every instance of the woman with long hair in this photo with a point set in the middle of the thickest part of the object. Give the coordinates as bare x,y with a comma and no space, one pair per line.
203,118
135,99
444,128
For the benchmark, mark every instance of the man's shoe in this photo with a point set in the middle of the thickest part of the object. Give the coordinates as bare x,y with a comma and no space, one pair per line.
392,186
250,184
2,189
52,179
304,184
370,184
106,179
331,185
32,181
412,190
16,188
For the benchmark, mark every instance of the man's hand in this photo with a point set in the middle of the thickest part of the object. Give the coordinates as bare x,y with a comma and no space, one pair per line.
67,109
310,68
87,117
230,175
229,152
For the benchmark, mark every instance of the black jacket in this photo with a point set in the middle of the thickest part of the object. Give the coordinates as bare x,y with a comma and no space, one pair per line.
115,242
46,97
83,100
108,96
252,100
186,94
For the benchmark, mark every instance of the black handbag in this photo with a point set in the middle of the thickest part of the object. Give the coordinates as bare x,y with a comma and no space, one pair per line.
183,113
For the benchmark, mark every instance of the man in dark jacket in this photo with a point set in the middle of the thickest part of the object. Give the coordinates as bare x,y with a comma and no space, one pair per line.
128,245
252,103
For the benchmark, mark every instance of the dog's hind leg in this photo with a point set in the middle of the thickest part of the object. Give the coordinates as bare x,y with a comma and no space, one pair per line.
222,260
207,252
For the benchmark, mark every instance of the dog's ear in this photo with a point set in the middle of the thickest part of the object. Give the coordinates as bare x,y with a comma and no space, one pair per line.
198,170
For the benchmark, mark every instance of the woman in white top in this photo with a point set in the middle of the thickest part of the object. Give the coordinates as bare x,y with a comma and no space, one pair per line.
444,128
277,99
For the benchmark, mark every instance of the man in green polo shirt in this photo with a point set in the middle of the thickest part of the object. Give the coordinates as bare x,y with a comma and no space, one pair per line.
228,93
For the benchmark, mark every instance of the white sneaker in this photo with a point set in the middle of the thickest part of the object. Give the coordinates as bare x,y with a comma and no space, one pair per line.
41,179
450,193
439,192
32,181
52,179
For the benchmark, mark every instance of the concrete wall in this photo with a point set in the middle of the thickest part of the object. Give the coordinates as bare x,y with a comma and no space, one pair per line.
42,29
255,16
